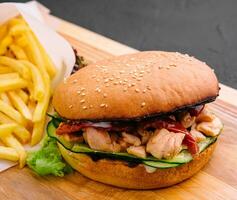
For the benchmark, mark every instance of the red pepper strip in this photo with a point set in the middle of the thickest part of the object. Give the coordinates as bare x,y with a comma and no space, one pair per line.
196,111
176,127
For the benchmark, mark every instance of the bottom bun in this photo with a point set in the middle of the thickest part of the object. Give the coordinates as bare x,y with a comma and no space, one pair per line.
118,173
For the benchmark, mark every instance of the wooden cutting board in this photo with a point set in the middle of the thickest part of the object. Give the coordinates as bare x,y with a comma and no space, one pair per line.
218,180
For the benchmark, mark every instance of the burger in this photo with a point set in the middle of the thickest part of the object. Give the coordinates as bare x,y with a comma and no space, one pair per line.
137,121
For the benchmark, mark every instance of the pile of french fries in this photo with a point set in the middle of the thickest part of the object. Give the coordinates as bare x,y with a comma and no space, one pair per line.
26,72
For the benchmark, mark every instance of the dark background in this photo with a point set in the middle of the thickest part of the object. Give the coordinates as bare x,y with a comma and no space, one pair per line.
206,29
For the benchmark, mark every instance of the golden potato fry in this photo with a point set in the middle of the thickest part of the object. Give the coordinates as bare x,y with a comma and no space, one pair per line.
34,51
12,84
8,153
30,88
21,41
41,107
4,44
4,69
16,66
31,105
38,132
11,112
12,75
20,131
49,66
16,21
6,129
5,98
24,96
19,29
20,105
3,31
38,82
9,140
18,52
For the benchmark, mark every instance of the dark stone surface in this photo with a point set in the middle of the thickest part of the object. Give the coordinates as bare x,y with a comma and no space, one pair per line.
206,29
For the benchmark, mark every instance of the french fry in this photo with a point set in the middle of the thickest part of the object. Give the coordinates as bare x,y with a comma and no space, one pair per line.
38,131
16,66
11,112
9,140
49,66
31,105
12,84
24,96
15,21
20,41
30,88
41,107
4,44
38,82
20,105
18,52
3,31
19,29
13,75
4,69
34,51
6,129
20,131
5,98
8,153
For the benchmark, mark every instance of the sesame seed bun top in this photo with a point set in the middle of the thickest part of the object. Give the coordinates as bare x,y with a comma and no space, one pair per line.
135,86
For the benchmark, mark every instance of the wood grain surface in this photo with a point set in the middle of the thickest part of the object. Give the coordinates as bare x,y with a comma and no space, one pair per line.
217,181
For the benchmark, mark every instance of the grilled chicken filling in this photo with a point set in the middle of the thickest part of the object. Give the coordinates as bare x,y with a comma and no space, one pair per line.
163,138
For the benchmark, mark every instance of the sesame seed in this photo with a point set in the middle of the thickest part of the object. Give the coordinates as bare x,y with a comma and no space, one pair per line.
98,89
160,67
143,104
139,79
173,65
93,76
137,90
125,89
140,75
129,85
74,81
133,84
106,85
106,105
105,95
84,107
83,94
102,105
78,92
121,72
106,81
115,83
82,101
82,89
148,87
120,82
70,106
64,80
142,71
167,67
118,77
111,79
91,106
144,91
97,80
125,80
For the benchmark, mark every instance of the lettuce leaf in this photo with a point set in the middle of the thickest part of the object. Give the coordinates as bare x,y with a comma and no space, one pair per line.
48,160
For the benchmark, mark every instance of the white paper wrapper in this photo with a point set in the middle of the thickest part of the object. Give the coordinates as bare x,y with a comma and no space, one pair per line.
59,50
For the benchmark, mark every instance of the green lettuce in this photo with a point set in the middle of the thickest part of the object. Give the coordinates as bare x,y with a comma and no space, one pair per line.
48,160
